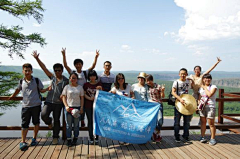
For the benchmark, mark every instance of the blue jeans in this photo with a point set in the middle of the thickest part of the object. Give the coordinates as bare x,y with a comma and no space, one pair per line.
160,118
186,123
69,121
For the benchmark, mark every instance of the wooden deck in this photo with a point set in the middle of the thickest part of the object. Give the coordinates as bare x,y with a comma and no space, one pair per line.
228,146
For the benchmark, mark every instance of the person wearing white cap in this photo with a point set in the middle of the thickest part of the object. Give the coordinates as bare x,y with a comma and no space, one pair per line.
140,89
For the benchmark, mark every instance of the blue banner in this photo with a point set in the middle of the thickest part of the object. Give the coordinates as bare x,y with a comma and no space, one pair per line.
124,119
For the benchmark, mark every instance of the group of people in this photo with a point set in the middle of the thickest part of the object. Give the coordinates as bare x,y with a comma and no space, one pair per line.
76,95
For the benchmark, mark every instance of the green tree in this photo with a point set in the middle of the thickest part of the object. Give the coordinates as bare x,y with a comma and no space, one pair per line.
8,81
12,38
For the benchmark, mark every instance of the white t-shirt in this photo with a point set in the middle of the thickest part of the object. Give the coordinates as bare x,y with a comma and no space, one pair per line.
212,100
123,92
183,86
81,78
73,95
140,93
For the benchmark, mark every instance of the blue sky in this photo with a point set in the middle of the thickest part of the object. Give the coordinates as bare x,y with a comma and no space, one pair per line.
155,35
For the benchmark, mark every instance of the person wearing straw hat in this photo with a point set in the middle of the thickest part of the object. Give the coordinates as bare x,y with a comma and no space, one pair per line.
182,85
140,89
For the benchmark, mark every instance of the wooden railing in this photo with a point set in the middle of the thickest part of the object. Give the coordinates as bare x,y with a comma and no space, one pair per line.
219,125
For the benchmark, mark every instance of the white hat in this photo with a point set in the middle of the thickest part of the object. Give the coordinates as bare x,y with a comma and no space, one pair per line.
75,113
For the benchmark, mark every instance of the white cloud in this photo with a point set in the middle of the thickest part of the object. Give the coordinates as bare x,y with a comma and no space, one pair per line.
126,48
36,25
209,19
170,59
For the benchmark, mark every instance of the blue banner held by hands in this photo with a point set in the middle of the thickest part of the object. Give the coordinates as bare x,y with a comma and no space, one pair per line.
124,119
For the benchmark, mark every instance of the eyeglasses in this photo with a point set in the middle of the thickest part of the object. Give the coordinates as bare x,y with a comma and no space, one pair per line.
120,78
57,70
73,78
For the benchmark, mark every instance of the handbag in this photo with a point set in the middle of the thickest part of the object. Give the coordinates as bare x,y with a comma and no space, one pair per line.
203,101
171,98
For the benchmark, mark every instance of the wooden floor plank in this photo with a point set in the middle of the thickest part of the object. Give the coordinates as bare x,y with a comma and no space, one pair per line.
70,152
57,149
64,150
152,150
85,148
6,145
19,153
132,151
177,147
139,151
92,151
38,148
104,148
44,148
204,147
30,149
50,150
111,150
118,149
161,152
13,151
10,148
3,141
125,151
146,151
164,145
78,148
187,148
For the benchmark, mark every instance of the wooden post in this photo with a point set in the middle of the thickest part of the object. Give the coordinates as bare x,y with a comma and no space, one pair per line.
220,106
64,130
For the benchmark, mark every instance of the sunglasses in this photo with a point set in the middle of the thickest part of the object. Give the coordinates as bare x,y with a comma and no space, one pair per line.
57,70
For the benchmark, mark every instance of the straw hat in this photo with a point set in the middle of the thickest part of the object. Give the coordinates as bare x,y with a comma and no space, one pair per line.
142,75
190,105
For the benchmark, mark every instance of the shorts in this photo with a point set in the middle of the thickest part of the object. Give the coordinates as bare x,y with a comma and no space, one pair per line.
28,113
208,112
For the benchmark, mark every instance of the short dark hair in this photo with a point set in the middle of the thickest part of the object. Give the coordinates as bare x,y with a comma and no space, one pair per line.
73,73
58,65
149,77
92,73
198,67
107,62
207,76
76,61
183,69
27,65
116,84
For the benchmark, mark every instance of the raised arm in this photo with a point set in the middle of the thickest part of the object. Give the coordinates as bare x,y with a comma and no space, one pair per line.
95,60
65,61
163,91
41,64
208,71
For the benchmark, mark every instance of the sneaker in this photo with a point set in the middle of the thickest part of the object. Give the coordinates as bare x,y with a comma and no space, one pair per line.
159,138
212,142
203,140
154,137
23,146
91,142
74,142
177,139
96,141
34,142
82,123
55,141
186,139
69,143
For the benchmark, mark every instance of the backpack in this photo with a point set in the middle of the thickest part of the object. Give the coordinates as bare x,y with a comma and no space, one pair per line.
37,81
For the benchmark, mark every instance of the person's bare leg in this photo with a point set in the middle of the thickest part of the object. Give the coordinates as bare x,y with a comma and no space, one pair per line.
212,128
36,128
24,134
203,125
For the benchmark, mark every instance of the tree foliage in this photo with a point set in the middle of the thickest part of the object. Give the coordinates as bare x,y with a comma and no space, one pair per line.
8,81
11,38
